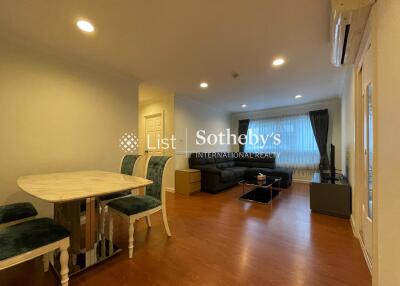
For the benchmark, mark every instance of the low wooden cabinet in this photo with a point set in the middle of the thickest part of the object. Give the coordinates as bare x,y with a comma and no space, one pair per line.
330,197
187,181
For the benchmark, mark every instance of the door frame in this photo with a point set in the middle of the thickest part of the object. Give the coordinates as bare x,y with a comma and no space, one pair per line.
360,176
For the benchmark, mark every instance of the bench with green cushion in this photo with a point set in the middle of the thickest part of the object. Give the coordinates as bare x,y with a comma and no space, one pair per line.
17,211
134,204
29,235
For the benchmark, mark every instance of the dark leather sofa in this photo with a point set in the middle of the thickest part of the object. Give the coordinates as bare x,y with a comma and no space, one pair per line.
221,170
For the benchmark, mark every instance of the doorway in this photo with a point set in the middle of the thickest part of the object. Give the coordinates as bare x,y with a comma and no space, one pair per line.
365,157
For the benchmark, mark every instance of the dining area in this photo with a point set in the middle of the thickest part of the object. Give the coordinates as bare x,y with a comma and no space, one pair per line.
80,234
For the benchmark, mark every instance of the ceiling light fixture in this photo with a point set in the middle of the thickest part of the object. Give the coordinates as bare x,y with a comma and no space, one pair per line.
85,26
278,62
203,84
244,105
298,96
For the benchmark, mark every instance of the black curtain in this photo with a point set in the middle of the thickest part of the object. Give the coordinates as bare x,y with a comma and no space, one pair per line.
320,125
243,126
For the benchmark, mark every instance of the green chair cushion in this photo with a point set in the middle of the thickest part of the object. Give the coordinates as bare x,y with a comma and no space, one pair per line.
155,169
12,212
27,236
134,204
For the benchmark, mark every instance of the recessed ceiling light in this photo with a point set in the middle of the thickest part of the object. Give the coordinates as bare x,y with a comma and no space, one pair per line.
244,105
298,96
278,62
85,26
203,84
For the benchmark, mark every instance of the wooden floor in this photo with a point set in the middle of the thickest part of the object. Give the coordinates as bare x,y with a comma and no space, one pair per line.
220,240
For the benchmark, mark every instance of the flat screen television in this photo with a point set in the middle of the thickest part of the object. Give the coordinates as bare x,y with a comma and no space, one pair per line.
332,162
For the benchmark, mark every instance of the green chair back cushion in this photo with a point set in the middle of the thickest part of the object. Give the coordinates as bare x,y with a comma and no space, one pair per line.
17,211
127,165
155,171
128,162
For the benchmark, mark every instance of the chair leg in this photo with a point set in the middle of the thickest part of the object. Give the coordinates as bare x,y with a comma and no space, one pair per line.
165,220
46,262
148,221
64,265
51,257
110,234
131,239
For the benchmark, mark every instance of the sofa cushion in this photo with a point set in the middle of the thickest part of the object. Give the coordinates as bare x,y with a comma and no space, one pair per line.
17,211
227,175
221,157
238,171
225,165
201,159
262,160
134,204
27,236
204,167
255,164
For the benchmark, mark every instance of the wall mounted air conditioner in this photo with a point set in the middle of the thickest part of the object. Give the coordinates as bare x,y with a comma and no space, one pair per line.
348,19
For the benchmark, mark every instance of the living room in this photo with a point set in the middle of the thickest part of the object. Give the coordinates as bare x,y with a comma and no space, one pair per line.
209,143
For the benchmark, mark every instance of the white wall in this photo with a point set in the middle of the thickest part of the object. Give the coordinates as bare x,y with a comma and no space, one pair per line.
387,37
59,115
348,131
190,116
334,135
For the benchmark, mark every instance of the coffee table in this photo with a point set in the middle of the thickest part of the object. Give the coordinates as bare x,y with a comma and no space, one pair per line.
258,189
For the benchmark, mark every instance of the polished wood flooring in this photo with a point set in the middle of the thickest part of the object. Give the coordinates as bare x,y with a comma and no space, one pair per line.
220,240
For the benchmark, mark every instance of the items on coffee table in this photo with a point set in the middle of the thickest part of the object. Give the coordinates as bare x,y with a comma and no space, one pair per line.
263,191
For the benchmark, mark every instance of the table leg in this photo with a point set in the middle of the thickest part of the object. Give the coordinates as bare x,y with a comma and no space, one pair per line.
270,190
84,238
68,215
90,230
279,187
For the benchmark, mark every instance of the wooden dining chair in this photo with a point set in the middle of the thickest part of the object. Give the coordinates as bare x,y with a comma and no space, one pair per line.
133,208
128,163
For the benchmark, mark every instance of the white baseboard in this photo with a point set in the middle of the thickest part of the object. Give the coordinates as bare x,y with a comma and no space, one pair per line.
353,227
366,256
171,190
364,250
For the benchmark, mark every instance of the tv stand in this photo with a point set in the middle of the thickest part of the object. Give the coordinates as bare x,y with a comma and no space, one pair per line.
330,196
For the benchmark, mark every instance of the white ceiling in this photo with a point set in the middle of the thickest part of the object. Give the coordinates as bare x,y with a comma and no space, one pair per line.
178,43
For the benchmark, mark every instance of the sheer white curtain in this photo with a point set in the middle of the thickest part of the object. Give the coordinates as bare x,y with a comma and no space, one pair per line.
297,147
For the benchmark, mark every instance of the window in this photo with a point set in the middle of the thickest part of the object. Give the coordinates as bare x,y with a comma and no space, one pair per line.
296,148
